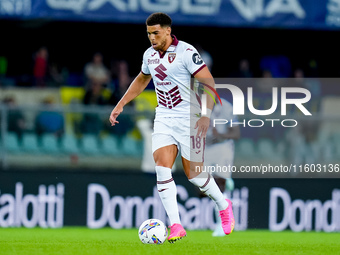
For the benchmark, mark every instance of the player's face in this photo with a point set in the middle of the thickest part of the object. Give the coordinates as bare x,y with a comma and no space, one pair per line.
158,36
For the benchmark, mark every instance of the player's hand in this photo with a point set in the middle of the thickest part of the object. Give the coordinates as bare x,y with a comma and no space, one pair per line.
202,126
114,114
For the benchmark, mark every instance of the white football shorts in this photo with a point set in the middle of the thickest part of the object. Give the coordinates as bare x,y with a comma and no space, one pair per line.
171,130
221,157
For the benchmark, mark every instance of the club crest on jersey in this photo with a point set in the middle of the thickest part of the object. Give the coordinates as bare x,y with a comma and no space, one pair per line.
171,57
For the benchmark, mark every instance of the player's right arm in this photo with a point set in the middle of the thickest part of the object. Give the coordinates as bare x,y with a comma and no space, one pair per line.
135,88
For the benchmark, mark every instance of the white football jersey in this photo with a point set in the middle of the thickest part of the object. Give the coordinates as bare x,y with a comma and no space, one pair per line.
171,74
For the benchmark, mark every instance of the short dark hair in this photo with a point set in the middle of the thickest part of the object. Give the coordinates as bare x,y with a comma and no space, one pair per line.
159,18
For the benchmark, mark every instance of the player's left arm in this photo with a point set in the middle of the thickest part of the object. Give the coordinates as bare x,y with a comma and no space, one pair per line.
204,76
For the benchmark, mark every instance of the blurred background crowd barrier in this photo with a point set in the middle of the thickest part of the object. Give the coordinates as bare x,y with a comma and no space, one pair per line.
52,128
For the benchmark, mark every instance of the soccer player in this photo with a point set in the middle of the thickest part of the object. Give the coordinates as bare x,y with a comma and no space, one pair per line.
220,149
171,63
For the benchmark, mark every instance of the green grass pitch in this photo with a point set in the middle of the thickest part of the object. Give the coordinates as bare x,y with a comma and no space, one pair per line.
79,241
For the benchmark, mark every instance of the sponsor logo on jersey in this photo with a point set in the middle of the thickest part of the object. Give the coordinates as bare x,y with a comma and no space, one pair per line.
171,57
160,72
153,61
196,58
164,83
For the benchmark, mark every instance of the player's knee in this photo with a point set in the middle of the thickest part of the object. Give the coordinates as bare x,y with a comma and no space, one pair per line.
164,161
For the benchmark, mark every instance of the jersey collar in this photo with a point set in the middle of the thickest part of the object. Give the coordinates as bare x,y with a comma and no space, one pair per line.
171,48
173,45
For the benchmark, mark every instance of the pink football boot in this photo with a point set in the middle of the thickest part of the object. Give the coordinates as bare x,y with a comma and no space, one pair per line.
177,232
227,218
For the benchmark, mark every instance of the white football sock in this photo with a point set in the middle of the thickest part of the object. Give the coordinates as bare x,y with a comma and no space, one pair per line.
206,183
168,193
218,231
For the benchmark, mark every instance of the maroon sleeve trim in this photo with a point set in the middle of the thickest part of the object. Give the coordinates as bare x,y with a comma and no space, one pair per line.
145,73
199,69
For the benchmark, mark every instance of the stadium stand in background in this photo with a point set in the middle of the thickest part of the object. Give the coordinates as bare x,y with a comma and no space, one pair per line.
109,150
87,140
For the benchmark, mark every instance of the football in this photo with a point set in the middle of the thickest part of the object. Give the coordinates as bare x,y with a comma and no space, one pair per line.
153,231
